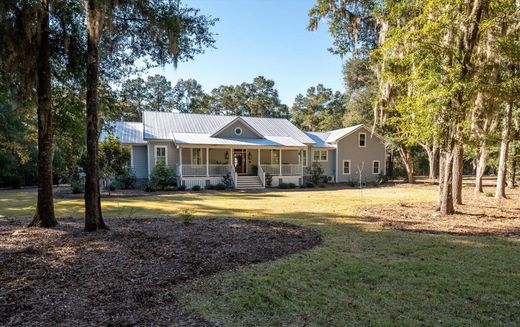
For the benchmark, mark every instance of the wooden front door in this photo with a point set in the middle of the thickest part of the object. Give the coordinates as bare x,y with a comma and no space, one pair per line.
239,161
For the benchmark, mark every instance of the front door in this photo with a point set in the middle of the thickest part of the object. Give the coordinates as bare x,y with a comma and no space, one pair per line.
239,161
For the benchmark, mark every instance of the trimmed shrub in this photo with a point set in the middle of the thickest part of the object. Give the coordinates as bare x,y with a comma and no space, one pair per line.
268,179
210,187
309,184
147,187
283,185
181,188
196,188
162,176
126,179
227,180
220,187
170,188
292,185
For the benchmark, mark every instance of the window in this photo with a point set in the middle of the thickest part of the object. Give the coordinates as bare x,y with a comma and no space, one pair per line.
275,157
304,158
160,155
376,167
196,156
346,167
362,140
238,131
320,155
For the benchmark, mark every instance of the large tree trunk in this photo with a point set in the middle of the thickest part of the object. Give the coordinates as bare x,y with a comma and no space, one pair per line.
504,151
44,216
458,168
441,179
481,167
406,156
446,206
93,215
511,170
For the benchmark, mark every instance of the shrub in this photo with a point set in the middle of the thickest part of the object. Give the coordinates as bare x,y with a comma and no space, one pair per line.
126,178
16,181
322,185
283,185
268,179
162,176
170,188
227,180
315,171
181,188
147,187
381,179
254,169
196,188
292,185
111,187
186,216
77,186
220,186
210,187
489,194
351,183
309,184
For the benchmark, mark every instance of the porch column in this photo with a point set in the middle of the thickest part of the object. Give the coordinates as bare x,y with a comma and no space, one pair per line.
207,162
258,158
180,162
280,162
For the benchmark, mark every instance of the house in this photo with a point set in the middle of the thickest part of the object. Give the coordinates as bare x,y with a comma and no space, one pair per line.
203,148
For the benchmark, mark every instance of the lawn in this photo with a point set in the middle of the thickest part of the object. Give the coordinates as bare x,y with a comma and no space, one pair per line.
361,274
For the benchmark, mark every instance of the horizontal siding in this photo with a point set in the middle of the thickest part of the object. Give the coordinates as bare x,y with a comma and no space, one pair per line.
140,161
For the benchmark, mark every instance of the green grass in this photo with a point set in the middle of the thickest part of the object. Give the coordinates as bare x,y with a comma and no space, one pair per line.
360,275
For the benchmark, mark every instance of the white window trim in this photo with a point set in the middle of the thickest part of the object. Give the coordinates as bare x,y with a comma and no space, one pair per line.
239,128
305,159
378,167
165,153
319,155
201,157
349,167
359,139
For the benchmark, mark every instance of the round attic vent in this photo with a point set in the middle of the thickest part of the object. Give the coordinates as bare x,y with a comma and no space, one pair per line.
238,131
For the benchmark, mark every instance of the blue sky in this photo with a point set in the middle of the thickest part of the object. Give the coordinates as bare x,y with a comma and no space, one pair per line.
262,37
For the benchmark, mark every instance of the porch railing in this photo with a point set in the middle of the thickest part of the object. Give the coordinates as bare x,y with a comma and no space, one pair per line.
287,169
200,170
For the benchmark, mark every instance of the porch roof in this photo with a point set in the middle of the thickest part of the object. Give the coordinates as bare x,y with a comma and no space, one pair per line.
208,139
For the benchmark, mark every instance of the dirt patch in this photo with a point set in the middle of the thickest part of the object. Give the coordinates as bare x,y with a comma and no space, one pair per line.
126,276
479,215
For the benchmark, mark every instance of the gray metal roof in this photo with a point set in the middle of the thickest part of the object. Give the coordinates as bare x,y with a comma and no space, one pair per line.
320,138
208,139
161,125
339,133
126,132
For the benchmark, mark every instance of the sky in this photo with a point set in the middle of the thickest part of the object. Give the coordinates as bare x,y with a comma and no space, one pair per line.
262,37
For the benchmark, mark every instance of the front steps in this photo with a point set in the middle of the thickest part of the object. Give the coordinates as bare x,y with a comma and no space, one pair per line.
248,183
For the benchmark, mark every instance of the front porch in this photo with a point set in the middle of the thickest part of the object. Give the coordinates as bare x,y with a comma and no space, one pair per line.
202,166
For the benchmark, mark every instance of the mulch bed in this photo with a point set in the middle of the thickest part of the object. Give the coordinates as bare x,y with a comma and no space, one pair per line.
126,276
479,215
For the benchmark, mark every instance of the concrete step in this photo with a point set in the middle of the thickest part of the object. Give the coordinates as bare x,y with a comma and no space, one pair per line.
248,183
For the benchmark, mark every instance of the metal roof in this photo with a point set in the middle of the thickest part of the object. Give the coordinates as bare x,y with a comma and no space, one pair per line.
160,125
208,139
126,132
336,134
320,138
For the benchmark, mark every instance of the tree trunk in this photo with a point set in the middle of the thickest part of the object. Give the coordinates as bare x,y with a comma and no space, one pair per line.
44,216
458,168
447,207
93,215
504,151
511,170
430,152
441,180
481,167
406,155
437,163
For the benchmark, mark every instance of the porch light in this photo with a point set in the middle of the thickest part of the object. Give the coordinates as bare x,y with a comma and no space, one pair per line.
226,156
249,157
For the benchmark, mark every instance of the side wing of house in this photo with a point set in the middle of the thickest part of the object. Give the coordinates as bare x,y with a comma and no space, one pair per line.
159,150
360,153
325,157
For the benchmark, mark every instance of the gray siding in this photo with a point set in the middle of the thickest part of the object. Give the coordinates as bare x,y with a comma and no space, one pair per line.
230,131
140,161
329,166
171,152
348,149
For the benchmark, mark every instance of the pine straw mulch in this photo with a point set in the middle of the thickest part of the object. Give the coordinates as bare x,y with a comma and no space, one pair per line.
126,276
479,215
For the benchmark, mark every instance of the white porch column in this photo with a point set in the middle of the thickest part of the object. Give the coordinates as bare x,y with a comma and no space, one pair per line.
280,162
258,158
207,162
180,163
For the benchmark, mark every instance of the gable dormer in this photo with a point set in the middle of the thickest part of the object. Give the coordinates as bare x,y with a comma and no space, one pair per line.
238,128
